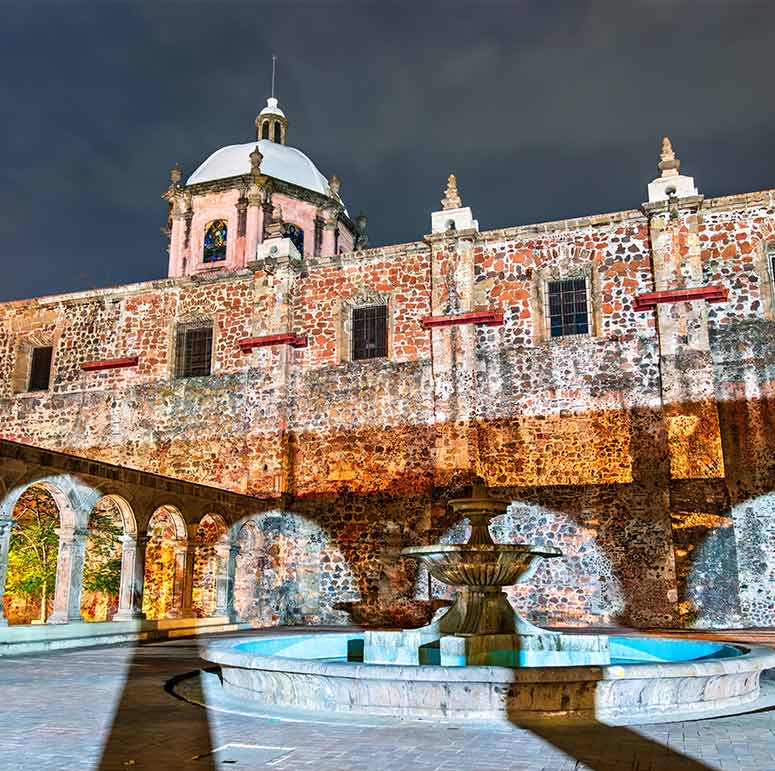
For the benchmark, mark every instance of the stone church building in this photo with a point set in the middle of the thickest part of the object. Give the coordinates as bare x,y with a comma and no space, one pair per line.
612,375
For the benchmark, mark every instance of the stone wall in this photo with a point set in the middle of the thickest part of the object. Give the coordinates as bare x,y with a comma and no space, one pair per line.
640,449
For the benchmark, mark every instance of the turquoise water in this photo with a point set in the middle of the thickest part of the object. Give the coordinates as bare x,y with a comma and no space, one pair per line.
624,650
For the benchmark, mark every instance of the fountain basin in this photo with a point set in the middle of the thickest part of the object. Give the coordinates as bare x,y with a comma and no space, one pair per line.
469,564
649,679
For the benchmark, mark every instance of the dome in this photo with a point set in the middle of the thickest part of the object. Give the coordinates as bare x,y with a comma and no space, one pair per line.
280,161
272,108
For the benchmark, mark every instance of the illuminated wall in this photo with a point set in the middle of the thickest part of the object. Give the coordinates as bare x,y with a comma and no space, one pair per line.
640,449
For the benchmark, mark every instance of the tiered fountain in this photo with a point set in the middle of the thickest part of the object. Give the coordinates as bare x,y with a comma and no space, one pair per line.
481,660
481,627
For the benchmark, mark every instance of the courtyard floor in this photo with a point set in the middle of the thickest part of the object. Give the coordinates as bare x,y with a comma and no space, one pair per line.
108,708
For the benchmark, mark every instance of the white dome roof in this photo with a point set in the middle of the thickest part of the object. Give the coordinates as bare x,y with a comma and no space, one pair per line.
272,108
280,161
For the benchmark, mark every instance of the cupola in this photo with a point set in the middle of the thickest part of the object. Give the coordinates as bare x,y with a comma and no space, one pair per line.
271,123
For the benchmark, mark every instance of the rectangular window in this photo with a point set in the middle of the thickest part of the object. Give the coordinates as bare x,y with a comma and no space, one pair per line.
193,352
568,314
369,326
40,369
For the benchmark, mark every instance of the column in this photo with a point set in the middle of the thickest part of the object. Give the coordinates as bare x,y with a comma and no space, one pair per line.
69,580
183,588
5,539
130,594
226,554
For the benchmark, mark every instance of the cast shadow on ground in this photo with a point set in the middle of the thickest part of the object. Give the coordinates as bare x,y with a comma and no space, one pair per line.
147,716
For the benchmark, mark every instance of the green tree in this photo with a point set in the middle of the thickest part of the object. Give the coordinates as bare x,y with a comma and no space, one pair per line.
102,572
32,558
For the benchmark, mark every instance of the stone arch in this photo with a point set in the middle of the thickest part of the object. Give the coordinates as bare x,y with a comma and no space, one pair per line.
246,578
167,534
125,510
36,510
63,489
111,523
211,530
289,571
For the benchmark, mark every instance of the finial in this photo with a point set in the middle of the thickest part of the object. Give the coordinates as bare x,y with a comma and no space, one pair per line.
451,198
176,174
274,71
668,164
334,184
361,237
255,161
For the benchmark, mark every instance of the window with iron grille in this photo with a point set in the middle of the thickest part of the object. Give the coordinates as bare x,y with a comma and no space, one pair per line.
771,253
193,351
369,332
568,311
40,369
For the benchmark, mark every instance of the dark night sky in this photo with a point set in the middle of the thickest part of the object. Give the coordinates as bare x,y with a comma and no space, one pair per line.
543,109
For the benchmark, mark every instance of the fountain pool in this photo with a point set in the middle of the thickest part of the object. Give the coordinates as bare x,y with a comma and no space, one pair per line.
649,679
480,660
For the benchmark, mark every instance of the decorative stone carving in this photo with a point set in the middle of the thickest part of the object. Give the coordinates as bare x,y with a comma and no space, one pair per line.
361,237
668,164
334,185
255,162
176,174
276,227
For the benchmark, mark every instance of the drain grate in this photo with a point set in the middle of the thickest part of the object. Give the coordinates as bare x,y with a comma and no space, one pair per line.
244,757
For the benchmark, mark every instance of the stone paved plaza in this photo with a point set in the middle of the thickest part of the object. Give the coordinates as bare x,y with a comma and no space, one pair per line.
107,708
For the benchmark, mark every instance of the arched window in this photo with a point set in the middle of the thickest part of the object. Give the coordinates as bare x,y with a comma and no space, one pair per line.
296,234
215,241
265,130
277,132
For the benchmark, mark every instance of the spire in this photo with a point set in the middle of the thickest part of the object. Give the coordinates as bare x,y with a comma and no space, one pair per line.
452,199
668,165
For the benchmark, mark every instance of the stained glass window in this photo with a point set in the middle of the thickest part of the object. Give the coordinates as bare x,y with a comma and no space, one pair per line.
568,307
215,241
296,234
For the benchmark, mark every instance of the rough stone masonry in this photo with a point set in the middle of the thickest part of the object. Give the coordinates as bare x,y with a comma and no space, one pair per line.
641,447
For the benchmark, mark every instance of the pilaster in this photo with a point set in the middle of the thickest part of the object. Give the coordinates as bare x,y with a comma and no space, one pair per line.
454,347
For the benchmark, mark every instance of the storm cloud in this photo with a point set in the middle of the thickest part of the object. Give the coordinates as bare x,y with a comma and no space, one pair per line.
544,110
